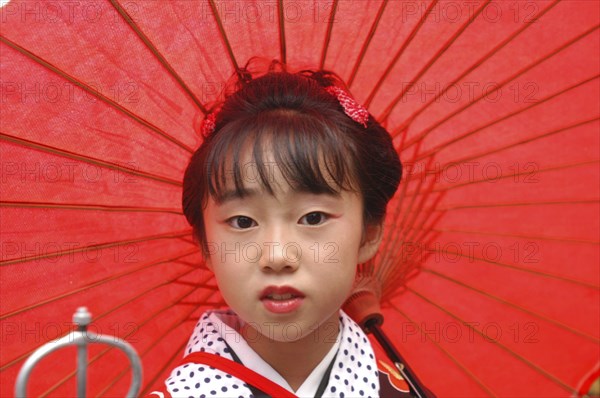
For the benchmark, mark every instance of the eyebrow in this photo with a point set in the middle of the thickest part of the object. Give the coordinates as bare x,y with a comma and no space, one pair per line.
233,194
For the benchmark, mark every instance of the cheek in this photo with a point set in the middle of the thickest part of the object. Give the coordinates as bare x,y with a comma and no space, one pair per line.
232,284
219,248
209,232
339,278
212,229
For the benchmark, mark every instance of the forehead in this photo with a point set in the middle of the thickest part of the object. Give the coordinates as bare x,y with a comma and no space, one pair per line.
268,177
276,164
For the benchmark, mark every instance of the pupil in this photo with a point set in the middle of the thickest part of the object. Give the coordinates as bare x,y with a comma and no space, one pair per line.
244,222
313,218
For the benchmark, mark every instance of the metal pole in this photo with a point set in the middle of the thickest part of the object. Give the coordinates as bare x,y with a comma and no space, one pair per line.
81,338
82,318
82,358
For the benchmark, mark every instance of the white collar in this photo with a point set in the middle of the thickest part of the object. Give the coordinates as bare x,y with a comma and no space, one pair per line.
229,323
354,373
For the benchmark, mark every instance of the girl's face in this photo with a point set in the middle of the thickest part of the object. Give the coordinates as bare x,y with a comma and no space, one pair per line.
285,263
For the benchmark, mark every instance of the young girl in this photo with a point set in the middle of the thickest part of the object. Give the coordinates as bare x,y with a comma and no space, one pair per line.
287,194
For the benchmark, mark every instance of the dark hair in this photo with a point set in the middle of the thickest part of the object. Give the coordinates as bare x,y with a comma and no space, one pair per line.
316,146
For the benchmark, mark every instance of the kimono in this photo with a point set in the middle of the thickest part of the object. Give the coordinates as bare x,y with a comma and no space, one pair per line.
218,362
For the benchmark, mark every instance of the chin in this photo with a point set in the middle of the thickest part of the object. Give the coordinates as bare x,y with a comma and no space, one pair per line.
286,331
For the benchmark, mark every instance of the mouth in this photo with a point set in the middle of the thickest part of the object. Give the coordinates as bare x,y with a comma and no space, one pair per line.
281,299
280,293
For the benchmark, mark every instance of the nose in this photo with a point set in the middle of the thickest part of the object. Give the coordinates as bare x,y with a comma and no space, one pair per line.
280,252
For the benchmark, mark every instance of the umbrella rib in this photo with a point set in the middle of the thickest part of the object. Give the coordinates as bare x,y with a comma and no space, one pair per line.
542,238
400,200
104,314
510,146
502,346
509,235
149,290
397,284
92,285
475,65
479,129
189,240
92,247
215,13
92,360
175,325
423,232
107,350
203,285
423,174
407,227
86,159
515,306
514,267
470,374
390,272
421,205
181,348
163,61
282,43
399,53
498,86
93,207
365,46
386,113
427,214
515,204
386,261
176,354
513,175
95,93
187,262
328,34
115,379
406,214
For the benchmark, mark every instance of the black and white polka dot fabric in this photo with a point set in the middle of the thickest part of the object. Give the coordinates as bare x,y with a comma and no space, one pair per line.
354,373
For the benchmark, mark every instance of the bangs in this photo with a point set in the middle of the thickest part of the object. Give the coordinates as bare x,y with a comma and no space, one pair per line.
311,155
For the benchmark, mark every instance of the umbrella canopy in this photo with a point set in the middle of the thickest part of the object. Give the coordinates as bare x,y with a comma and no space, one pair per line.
488,273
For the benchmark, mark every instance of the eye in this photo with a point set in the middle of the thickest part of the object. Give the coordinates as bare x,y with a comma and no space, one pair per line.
314,218
241,222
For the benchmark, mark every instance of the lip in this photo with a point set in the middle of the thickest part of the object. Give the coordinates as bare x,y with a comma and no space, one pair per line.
280,290
282,306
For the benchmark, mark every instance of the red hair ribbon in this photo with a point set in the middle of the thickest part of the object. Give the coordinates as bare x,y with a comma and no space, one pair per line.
356,111
353,109
208,124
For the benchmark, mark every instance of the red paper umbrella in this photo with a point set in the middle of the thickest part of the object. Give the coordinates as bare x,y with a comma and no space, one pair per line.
488,275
